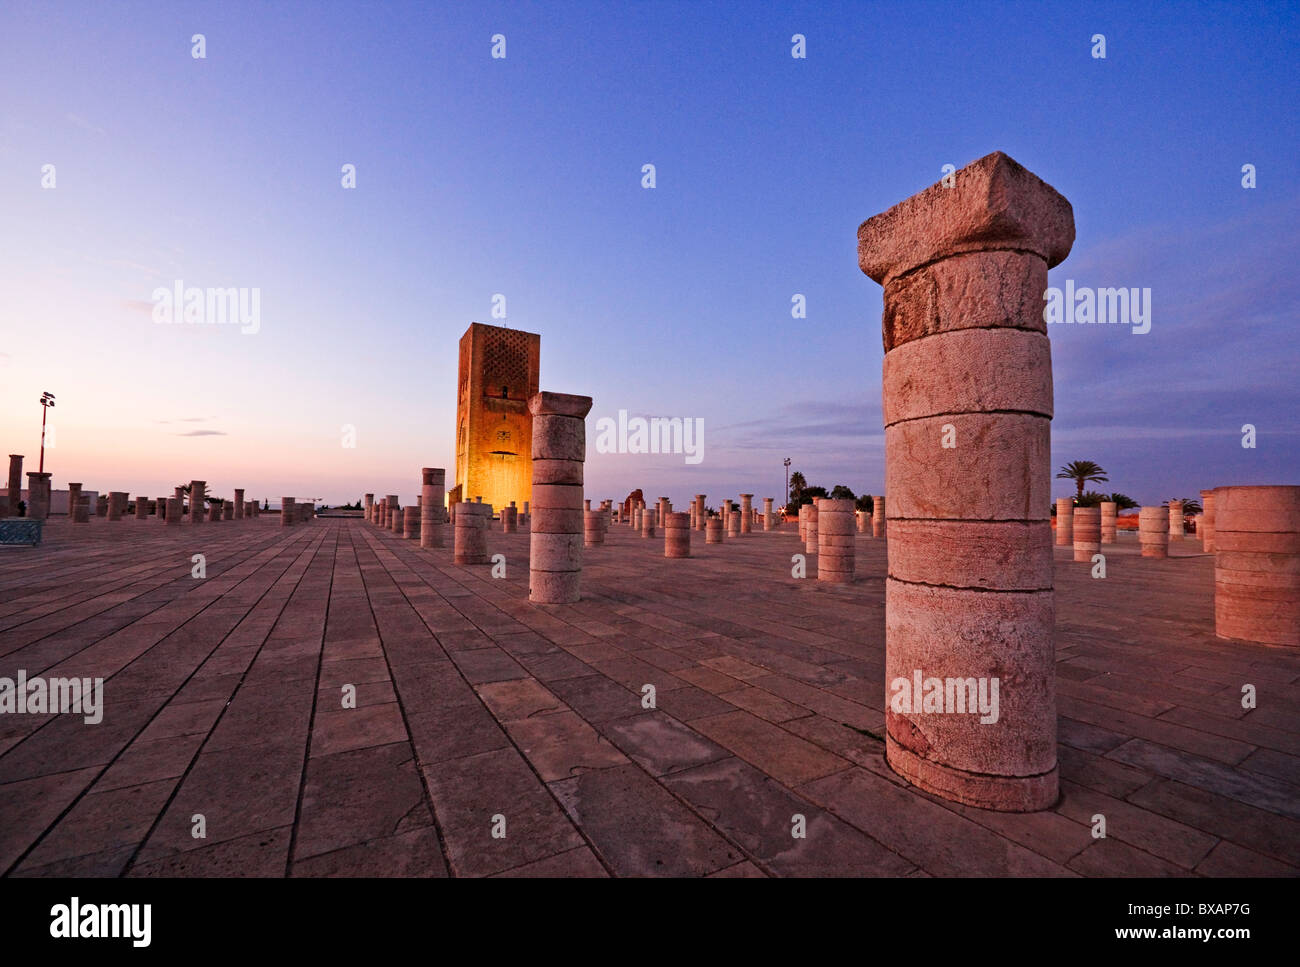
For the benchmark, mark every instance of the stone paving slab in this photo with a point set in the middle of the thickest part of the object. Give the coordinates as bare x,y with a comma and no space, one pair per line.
332,700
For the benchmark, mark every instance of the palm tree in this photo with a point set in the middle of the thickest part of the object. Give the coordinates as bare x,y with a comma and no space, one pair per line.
841,492
1123,501
1190,506
797,482
1081,472
1091,499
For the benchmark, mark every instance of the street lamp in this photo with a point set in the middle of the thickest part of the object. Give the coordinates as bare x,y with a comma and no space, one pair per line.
47,400
787,484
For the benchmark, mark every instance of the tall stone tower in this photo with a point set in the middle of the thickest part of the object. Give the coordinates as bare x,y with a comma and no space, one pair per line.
494,430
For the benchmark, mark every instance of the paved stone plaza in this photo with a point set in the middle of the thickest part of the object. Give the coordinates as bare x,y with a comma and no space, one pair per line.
478,710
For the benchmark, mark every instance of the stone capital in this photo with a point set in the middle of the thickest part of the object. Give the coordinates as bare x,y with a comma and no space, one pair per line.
993,203
559,404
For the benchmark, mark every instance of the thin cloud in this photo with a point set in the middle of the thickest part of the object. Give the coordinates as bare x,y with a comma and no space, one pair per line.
204,433
85,125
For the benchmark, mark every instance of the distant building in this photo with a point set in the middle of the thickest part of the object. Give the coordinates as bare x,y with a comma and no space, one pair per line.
59,501
494,430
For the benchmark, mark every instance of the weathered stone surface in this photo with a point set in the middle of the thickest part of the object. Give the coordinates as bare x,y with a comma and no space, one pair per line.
1153,531
836,543
1257,588
994,555
970,371
994,204
967,405
1087,532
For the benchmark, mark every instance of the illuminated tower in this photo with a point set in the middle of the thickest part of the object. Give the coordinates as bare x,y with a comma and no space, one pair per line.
494,430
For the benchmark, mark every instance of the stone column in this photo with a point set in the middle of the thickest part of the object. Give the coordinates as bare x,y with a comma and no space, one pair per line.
214,512
969,593
810,527
228,510
38,495
469,540
287,512
803,523
677,535
239,504
1153,531
746,513
700,515
74,498
592,531
411,523
767,514
1176,529
878,515
15,482
395,518
555,540
510,519
1257,564
141,507
116,501
101,505
735,523
197,506
647,523
175,510
390,510
526,518
160,509
1207,524
433,481
83,509
713,530
1109,518
1087,533
179,494
369,505
1064,521
836,547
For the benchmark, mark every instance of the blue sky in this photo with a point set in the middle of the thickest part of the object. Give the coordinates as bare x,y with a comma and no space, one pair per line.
522,176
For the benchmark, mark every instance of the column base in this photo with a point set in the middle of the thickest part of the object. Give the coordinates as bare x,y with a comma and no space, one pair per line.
1012,794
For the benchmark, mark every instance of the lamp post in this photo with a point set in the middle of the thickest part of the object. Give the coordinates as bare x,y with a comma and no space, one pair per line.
787,484
47,400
